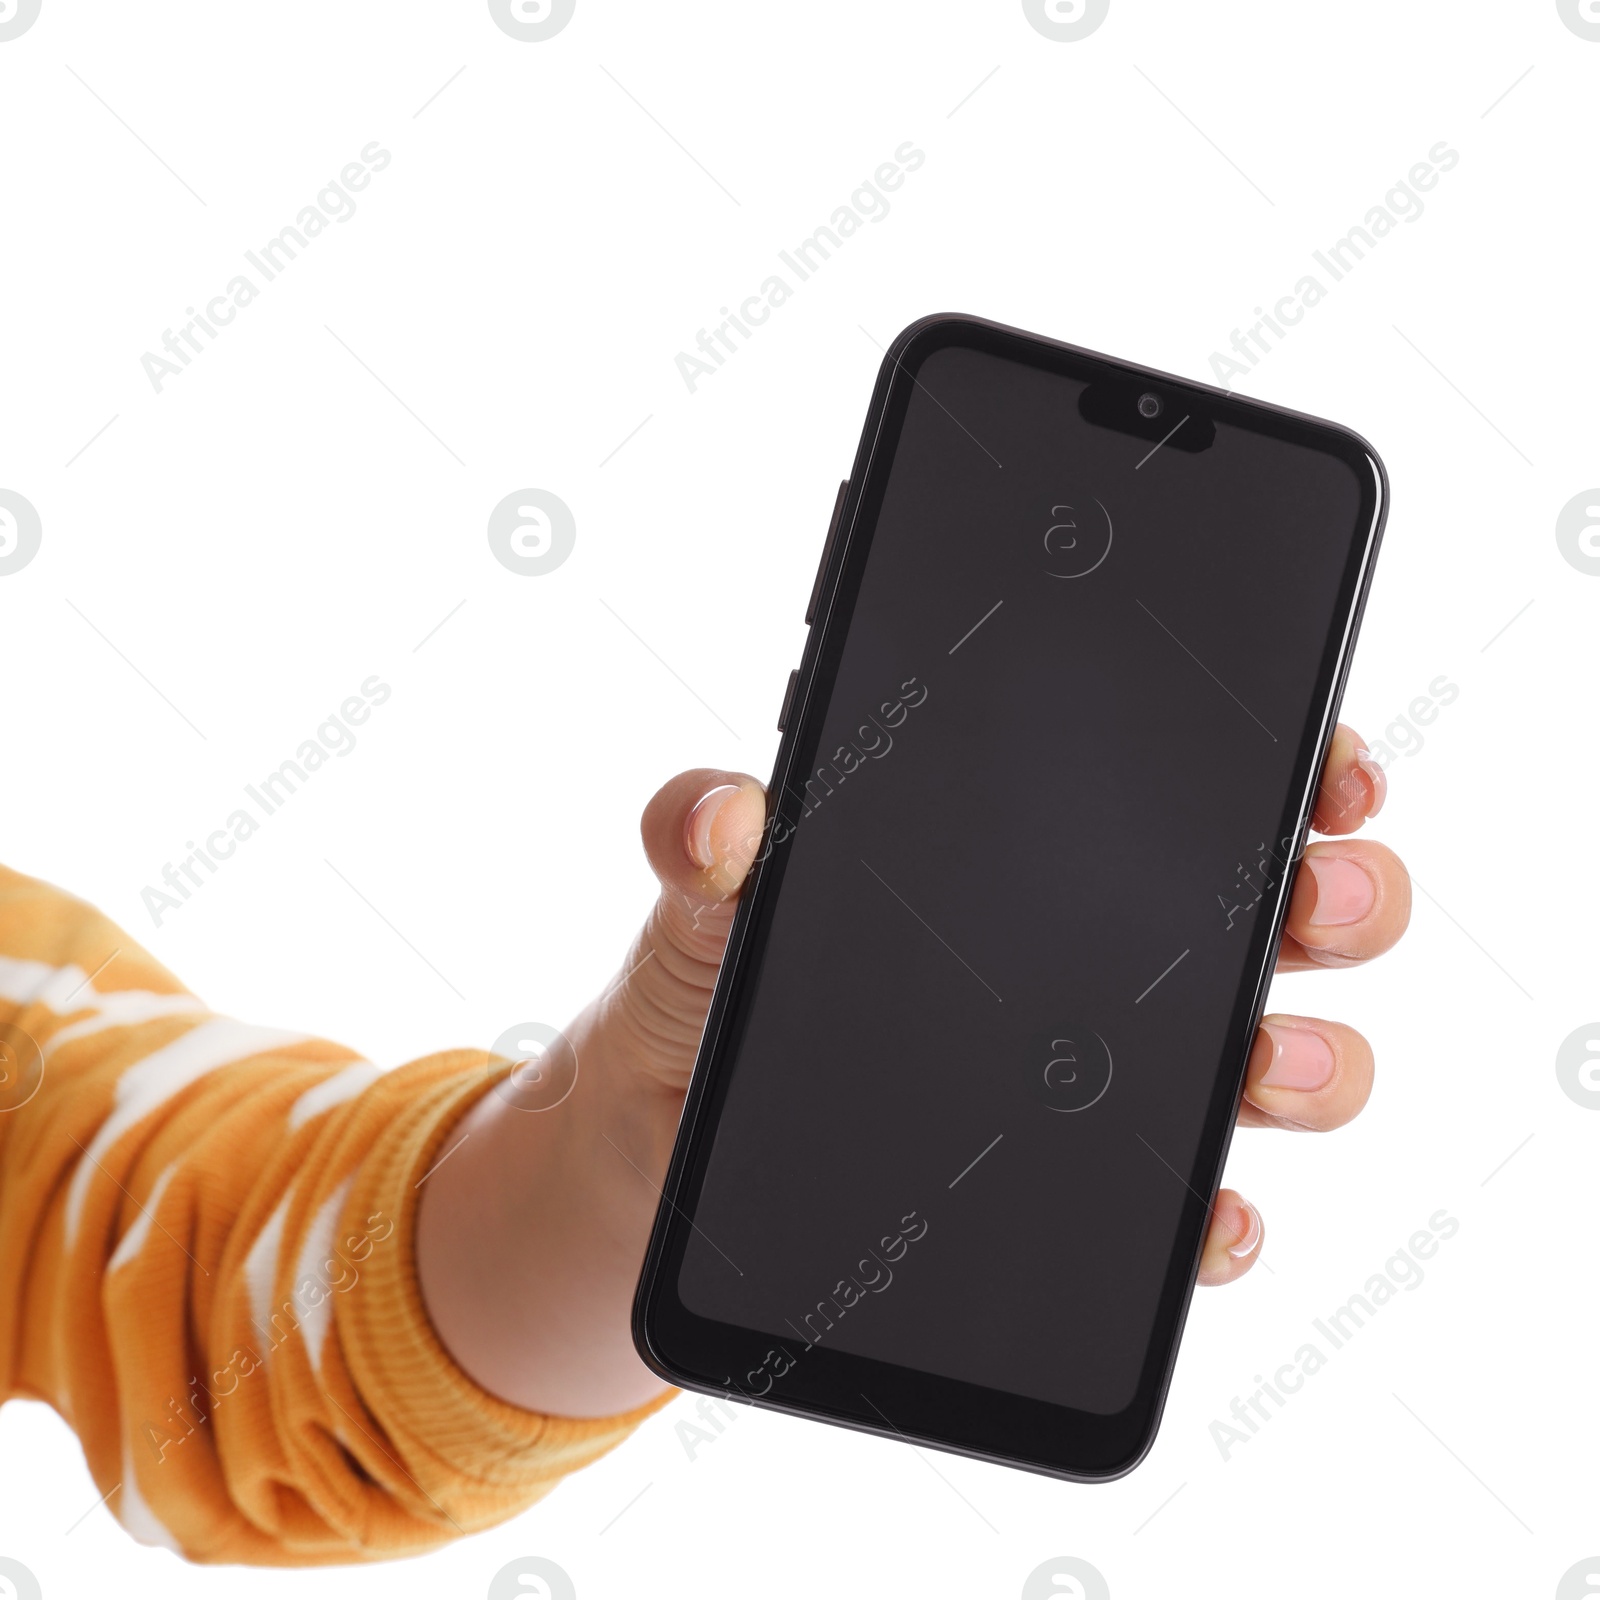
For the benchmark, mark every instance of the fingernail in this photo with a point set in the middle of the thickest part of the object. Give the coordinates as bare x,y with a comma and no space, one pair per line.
697,827
1377,777
1301,1057
1345,893
1251,1237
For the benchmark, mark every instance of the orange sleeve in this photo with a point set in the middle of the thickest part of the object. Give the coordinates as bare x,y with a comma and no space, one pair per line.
206,1266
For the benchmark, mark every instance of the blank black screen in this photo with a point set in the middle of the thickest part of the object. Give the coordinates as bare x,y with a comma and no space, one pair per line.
968,1074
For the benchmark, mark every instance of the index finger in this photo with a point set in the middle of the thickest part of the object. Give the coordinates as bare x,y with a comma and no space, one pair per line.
1352,787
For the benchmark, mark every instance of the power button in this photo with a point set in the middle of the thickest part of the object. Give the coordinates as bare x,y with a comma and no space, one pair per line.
788,700
827,550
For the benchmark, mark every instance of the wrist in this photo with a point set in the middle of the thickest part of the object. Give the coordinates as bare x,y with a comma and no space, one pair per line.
530,1239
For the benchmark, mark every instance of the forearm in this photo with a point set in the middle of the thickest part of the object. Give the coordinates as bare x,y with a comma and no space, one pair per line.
164,1170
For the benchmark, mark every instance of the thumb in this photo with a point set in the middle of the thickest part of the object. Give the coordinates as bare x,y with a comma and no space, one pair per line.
701,832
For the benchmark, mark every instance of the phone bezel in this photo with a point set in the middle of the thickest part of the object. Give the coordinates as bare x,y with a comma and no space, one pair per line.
717,1358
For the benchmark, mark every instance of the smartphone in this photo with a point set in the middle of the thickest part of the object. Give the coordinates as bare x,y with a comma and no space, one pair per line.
1077,644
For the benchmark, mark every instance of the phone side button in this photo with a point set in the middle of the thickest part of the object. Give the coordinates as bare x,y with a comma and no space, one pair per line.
827,551
1302,833
788,700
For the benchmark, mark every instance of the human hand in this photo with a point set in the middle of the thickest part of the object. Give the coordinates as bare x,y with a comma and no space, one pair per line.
529,1242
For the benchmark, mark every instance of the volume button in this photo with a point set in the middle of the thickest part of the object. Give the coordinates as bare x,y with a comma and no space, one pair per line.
827,550
788,700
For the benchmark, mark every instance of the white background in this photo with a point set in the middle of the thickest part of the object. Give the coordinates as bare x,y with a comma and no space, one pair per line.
274,527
